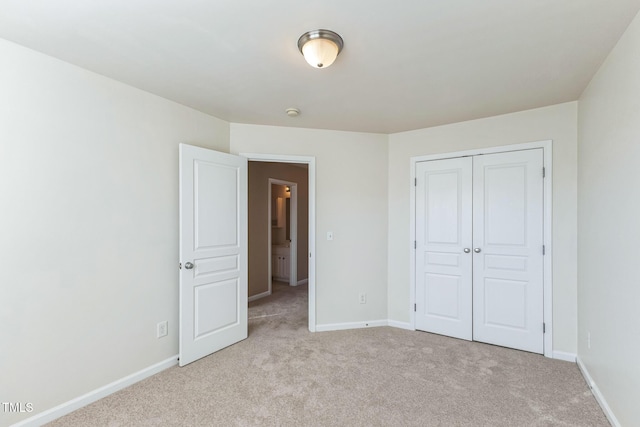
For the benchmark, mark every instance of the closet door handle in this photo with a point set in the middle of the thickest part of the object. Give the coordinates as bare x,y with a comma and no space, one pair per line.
467,250
477,250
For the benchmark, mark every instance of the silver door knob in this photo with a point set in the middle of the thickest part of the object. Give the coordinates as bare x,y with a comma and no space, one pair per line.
467,250
188,265
477,250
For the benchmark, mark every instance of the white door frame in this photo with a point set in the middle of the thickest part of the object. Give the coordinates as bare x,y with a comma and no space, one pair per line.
293,232
311,165
548,277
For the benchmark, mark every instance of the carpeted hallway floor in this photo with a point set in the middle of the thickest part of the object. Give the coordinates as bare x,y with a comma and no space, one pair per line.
283,375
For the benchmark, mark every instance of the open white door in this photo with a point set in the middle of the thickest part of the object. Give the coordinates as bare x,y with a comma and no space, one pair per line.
213,251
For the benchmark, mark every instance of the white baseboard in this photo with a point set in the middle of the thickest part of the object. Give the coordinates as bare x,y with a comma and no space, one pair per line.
258,296
97,394
561,355
400,325
350,325
366,324
302,282
598,395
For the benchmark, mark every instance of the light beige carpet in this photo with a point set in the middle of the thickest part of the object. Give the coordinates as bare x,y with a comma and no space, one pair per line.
283,375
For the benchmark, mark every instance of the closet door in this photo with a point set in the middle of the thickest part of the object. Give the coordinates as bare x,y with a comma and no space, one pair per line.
443,242
507,254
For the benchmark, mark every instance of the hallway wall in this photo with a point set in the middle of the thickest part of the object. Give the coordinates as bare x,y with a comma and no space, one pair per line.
351,201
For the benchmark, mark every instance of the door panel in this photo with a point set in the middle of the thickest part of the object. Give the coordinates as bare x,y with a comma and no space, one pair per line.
499,314
213,237
508,232
213,310
443,230
216,200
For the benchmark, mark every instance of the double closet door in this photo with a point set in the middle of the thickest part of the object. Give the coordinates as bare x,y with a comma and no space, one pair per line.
479,248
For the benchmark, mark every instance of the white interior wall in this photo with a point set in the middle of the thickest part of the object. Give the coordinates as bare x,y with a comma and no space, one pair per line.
88,226
557,123
351,201
609,228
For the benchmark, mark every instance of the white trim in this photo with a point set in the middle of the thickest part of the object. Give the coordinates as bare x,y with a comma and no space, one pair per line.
366,324
412,241
97,394
598,394
258,296
351,325
400,325
547,149
568,357
302,282
311,163
478,151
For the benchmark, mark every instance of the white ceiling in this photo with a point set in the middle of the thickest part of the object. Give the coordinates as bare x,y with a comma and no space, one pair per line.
406,64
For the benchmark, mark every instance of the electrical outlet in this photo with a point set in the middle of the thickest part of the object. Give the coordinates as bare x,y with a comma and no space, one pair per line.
162,329
363,298
589,340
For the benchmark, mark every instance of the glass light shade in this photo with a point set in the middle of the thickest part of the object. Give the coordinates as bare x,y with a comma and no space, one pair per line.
320,53
320,47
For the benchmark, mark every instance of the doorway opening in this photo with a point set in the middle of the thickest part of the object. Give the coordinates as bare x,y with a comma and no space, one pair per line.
282,215
282,225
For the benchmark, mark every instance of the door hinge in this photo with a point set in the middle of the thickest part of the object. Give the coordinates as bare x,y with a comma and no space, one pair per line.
415,244
544,172
415,182
544,250
180,266
415,307
544,328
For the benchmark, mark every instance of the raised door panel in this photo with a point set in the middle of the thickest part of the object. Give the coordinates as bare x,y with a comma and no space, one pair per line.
285,267
275,265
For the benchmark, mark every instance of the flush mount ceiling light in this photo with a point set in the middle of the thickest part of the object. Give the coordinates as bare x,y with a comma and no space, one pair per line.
320,47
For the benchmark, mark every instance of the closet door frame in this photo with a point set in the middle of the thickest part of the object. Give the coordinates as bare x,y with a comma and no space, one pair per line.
548,197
